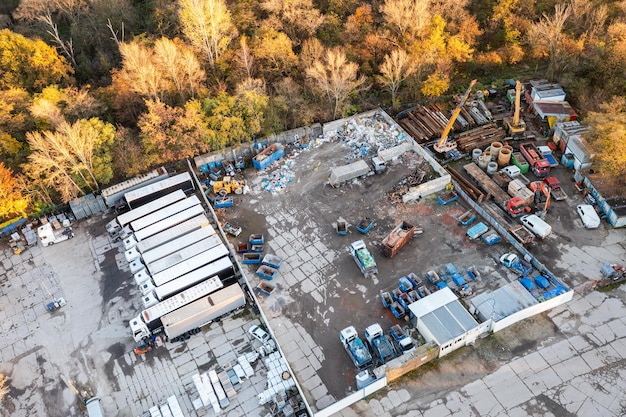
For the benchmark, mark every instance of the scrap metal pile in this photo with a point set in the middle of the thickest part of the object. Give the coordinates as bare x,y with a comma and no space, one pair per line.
420,172
365,136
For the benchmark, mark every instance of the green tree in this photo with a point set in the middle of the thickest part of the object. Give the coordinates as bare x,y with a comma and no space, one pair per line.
607,137
12,203
30,64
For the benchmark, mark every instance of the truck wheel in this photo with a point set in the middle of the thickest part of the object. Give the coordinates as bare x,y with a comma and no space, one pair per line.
187,336
51,243
222,192
239,191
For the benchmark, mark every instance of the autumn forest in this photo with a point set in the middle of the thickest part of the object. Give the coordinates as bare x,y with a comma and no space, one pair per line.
94,91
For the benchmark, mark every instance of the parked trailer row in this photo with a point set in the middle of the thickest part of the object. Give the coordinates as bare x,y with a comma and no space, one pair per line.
183,254
190,264
163,213
168,222
169,235
177,244
222,268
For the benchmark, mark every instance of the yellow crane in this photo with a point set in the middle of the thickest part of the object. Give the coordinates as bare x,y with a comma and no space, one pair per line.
444,145
516,126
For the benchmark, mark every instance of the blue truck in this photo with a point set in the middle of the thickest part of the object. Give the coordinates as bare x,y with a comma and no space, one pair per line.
403,341
379,343
358,351
516,264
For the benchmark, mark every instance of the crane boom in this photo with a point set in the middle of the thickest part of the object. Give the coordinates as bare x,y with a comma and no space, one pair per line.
518,93
443,145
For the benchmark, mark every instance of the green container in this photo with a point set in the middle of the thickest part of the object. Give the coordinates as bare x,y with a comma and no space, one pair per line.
519,161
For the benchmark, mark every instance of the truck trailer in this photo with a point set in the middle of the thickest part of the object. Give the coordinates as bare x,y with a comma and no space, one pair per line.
222,268
190,264
151,192
342,174
191,250
114,194
188,319
163,213
116,225
168,222
149,321
168,235
177,244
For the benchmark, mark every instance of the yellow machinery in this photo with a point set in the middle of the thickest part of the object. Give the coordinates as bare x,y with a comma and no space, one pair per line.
444,145
228,185
515,126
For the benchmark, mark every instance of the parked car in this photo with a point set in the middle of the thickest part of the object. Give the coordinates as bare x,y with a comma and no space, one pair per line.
588,215
259,334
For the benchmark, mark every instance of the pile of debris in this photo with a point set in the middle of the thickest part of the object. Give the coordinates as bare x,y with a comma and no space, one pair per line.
426,123
420,172
366,136
276,180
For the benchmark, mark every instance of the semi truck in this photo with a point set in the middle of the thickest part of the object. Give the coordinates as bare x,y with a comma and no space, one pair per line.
115,226
190,264
396,239
189,319
363,258
48,236
342,174
149,322
538,164
379,343
168,235
151,192
359,353
182,255
222,268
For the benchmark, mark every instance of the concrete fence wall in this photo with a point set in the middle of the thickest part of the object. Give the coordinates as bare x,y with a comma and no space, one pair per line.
533,311
406,363
352,398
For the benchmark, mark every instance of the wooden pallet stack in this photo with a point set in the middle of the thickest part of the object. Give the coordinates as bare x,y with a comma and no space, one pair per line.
425,123
480,137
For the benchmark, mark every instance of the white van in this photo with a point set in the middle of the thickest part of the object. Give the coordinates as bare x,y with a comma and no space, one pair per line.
540,228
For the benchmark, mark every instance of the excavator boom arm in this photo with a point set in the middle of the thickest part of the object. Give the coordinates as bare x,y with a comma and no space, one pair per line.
455,114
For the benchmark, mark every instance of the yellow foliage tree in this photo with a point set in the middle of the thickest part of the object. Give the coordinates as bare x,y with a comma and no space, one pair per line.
435,85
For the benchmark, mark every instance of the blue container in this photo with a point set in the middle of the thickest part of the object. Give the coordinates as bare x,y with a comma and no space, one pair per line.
527,283
542,282
458,279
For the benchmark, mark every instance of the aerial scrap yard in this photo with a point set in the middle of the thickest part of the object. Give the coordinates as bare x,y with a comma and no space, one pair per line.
315,273
333,278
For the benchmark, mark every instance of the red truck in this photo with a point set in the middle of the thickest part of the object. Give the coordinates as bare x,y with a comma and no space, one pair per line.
539,164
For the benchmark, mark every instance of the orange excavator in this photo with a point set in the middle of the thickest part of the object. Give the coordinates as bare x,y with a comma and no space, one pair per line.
516,206
443,145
